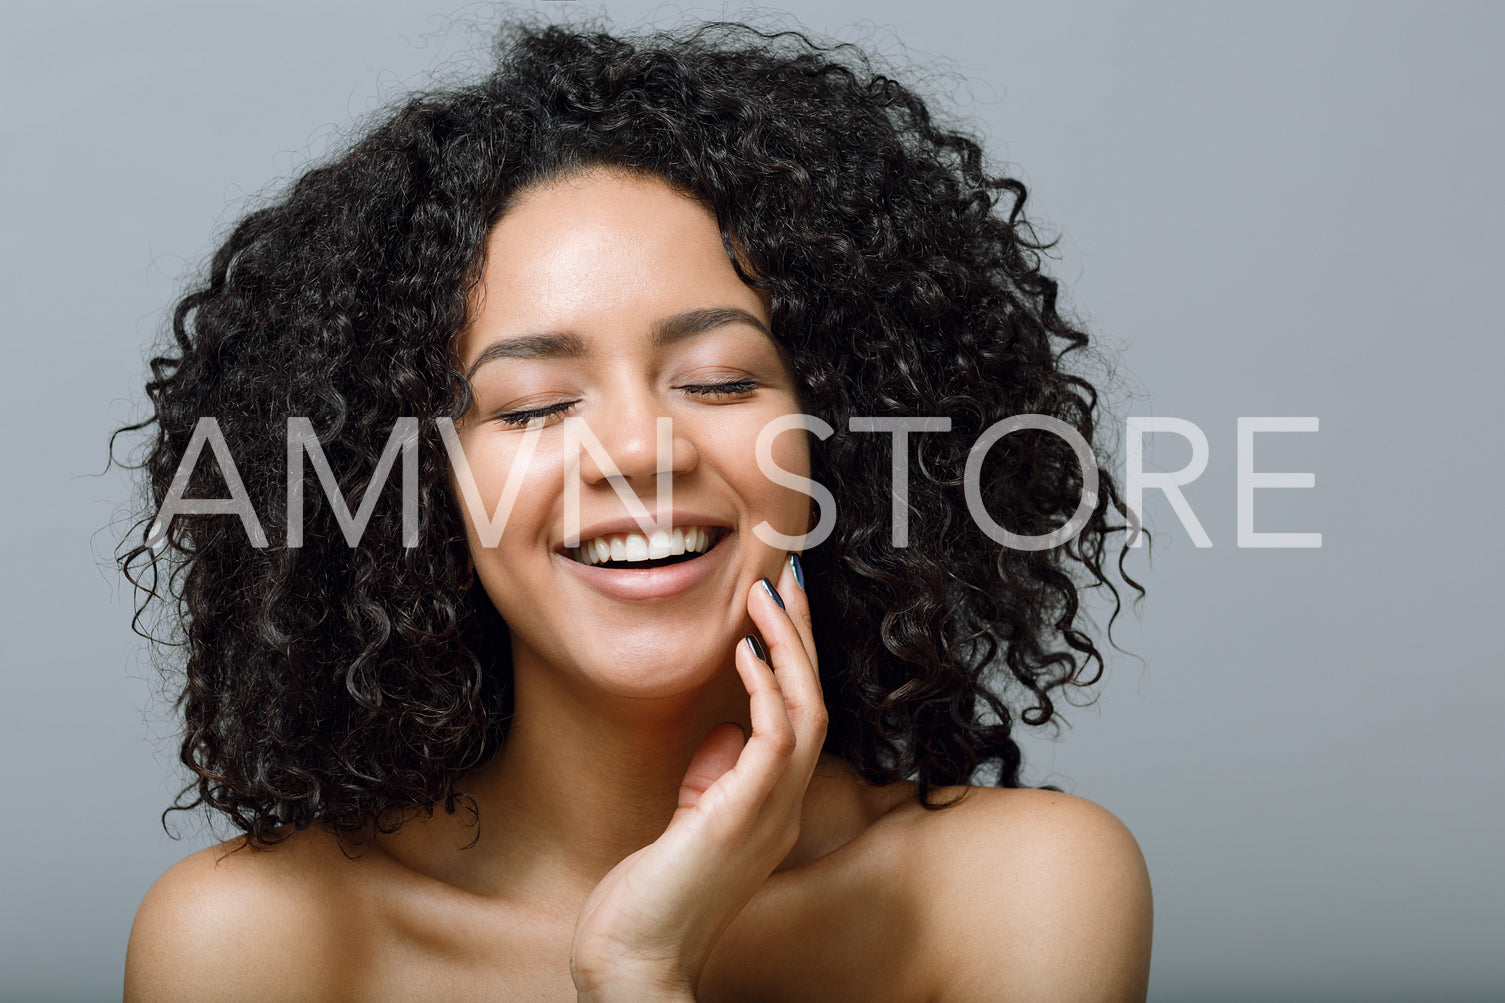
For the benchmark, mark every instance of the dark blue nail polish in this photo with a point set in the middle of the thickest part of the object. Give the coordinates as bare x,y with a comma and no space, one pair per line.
773,593
798,569
757,648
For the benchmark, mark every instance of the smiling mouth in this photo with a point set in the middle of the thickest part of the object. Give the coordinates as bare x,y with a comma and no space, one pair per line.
642,552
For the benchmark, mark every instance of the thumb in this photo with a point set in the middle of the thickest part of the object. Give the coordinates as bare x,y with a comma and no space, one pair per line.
716,754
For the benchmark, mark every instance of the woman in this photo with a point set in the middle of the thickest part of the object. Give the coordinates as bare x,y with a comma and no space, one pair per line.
594,727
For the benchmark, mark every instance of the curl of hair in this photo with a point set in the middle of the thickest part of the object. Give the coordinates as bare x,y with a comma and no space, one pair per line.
348,686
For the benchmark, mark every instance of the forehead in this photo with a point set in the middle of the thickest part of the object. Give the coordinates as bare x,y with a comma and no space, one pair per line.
602,253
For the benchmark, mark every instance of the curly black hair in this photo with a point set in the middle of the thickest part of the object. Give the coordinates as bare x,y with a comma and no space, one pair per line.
335,686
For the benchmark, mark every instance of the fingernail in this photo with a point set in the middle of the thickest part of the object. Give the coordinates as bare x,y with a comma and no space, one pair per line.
798,569
757,648
773,593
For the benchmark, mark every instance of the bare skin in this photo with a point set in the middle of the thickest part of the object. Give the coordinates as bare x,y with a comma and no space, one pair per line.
634,845
1009,895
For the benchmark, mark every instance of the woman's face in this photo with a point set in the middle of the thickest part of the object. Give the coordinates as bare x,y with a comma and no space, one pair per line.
610,299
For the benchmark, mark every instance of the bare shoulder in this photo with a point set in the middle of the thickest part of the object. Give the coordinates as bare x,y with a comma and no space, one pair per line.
1031,895
234,922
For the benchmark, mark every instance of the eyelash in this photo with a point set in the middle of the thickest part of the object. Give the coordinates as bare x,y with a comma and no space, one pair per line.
728,389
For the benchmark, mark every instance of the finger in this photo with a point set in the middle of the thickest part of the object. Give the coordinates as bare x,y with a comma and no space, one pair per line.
716,755
797,605
793,669
787,652
773,741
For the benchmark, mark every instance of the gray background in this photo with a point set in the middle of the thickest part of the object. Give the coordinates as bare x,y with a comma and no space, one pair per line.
1266,210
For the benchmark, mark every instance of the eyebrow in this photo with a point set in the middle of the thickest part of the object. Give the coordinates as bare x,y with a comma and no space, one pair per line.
568,345
693,322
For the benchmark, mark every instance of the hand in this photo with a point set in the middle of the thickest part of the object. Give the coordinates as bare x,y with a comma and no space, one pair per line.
650,925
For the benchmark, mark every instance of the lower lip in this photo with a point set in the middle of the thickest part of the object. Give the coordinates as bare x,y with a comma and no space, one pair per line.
650,583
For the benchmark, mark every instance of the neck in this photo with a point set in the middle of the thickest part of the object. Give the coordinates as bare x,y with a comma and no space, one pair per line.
583,779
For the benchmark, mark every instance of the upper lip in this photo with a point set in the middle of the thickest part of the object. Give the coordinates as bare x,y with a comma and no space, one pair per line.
627,524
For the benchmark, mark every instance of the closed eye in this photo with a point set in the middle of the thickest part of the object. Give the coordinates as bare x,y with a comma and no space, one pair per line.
730,388
520,418
720,389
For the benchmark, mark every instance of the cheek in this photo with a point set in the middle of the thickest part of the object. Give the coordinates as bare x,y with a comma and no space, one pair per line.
789,508
496,470
791,451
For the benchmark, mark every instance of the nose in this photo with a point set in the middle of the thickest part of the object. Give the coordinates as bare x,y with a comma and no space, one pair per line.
635,443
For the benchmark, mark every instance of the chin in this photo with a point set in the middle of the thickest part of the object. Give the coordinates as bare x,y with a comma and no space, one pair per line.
648,668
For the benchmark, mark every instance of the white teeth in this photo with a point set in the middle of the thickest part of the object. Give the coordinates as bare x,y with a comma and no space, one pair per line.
637,547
